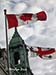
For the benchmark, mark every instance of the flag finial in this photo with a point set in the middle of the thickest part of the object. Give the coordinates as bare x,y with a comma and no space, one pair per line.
5,11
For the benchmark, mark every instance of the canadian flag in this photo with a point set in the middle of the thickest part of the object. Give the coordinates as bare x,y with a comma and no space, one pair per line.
23,19
45,53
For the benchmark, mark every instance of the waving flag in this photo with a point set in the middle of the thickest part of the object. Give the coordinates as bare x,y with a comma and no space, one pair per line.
25,18
44,53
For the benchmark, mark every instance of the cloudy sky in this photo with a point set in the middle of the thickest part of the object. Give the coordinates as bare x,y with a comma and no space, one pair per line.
37,34
43,33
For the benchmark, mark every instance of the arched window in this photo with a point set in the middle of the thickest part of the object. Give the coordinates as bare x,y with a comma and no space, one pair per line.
16,57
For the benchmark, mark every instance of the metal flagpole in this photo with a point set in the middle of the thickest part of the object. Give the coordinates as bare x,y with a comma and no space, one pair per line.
7,47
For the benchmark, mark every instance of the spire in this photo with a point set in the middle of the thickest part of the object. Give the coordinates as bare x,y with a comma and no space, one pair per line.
16,34
15,29
16,39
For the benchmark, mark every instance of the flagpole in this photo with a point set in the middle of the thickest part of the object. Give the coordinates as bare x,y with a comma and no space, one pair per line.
7,47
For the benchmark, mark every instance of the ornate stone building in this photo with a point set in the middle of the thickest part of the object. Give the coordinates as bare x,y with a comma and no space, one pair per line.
18,57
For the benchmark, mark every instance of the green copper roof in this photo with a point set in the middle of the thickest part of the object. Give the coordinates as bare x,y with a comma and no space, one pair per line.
16,40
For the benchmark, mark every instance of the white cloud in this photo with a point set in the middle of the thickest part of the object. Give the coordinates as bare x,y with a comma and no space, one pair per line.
19,7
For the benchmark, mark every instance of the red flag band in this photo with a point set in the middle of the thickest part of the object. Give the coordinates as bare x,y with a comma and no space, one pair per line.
41,16
12,20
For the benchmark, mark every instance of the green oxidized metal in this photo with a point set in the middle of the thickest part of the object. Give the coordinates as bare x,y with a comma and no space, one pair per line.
18,56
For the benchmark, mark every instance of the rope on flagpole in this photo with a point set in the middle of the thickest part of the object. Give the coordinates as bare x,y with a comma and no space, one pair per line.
7,46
